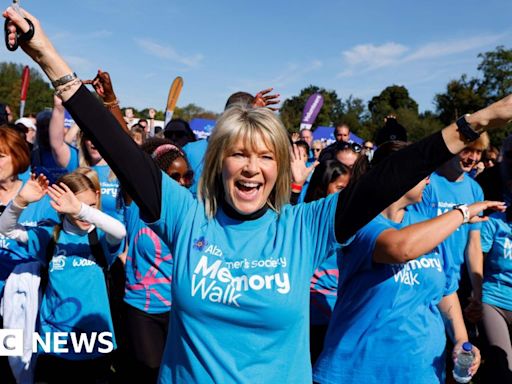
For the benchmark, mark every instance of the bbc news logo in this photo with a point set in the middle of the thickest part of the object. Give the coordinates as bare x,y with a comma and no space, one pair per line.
11,342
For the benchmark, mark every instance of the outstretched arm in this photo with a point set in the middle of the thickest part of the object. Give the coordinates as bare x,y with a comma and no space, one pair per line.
136,171
392,178
400,246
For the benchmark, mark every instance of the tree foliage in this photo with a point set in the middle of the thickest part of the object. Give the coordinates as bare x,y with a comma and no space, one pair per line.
461,96
39,95
389,102
291,111
496,67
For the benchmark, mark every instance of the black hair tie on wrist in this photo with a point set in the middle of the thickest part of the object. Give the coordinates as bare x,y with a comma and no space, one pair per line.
20,37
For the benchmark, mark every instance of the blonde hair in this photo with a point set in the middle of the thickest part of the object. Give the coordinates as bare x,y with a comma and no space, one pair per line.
481,143
251,125
82,179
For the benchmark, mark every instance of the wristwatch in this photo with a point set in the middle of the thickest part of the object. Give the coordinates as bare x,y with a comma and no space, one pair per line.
465,129
463,208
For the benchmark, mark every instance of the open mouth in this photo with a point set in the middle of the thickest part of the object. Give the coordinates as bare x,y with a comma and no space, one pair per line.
247,189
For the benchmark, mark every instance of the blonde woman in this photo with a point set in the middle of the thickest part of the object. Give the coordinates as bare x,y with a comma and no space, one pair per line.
243,257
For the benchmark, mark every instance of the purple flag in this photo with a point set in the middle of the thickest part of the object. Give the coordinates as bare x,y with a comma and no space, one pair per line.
311,110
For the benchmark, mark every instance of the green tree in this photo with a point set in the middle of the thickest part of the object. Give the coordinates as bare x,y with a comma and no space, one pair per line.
291,111
39,95
191,111
496,67
389,102
461,96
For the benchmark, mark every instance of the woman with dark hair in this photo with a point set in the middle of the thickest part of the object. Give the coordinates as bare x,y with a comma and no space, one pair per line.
329,177
243,257
395,289
149,265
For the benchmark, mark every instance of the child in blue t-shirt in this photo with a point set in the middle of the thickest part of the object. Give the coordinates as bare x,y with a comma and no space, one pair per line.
75,305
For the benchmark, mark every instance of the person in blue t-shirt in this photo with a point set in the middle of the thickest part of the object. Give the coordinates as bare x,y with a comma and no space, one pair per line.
243,257
86,155
394,292
75,300
449,186
492,295
329,177
149,272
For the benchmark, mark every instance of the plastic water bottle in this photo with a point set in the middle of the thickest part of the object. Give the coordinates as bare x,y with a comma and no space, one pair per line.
463,362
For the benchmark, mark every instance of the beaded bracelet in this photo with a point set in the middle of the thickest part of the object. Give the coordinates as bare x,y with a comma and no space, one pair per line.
68,86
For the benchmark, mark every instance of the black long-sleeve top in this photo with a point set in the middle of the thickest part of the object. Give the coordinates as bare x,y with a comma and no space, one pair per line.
357,204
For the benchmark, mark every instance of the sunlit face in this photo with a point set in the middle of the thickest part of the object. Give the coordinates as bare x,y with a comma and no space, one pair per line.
90,198
6,166
93,152
249,174
307,136
179,171
339,184
342,133
317,148
468,158
415,194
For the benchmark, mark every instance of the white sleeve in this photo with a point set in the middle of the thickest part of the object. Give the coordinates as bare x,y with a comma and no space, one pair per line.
114,229
9,226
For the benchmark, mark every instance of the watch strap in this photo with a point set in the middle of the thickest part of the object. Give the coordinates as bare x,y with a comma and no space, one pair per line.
463,208
466,130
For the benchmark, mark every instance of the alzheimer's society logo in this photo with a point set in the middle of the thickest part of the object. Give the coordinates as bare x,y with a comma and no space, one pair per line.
11,342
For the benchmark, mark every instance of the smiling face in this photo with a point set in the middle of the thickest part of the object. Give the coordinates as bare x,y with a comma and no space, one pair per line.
468,158
249,174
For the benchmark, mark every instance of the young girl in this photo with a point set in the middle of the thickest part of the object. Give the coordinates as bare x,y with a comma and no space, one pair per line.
75,300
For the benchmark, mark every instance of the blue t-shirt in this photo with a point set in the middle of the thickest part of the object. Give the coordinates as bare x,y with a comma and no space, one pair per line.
46,163
324,290
110,200
439,197
497,242
195,151
240,289
386,326
148,266
13,253
76,297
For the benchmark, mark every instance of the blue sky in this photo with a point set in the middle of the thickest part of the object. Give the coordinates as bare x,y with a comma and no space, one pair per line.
219,47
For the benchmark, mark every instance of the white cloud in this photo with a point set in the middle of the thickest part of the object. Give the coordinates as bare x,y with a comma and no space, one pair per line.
444,48
167,52
367,57
80,64
374,56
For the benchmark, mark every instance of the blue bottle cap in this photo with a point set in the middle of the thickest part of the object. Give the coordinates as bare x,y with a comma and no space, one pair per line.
467,346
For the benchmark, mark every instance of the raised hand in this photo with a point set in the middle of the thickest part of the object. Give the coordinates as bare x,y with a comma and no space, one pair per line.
300,172
476,208
33,190
262,99
103,86
64,200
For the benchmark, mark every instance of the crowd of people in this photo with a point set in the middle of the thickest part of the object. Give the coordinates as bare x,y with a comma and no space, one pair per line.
254,256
